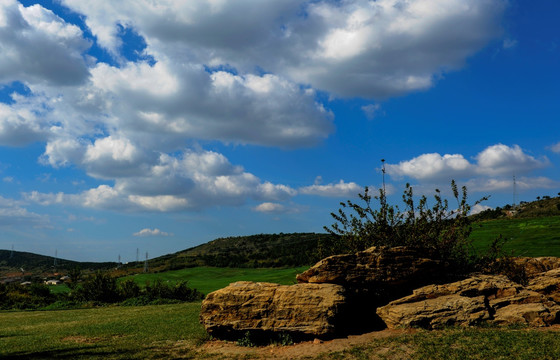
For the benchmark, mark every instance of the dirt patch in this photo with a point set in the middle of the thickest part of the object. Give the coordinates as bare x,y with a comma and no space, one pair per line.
82,339
307,349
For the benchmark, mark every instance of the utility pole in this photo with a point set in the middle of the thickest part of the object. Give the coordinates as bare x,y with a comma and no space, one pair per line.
514,192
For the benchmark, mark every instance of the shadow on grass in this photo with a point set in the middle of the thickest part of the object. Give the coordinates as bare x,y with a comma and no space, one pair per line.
78,353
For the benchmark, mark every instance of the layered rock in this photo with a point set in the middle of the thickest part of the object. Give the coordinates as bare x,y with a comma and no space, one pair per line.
547,283
397,268
538,265
301,309
468,302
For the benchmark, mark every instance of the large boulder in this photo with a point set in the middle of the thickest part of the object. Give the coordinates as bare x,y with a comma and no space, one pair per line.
301,310
480,298
377,267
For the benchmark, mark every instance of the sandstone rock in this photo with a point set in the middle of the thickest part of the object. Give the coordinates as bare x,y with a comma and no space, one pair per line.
479,298
547,283
376,266
304,309
535,266
435,313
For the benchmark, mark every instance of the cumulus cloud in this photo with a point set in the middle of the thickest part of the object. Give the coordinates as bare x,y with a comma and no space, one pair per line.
340,189
152,232
195,180
494,160
37,46
502,159
269,207
478,208
398,46
238,72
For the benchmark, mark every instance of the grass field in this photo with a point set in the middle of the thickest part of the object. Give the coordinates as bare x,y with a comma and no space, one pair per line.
173,331
526,237
208,279
109,333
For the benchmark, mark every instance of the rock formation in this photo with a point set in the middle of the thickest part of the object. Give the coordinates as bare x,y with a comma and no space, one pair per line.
301,309
491,298
383,287
374,267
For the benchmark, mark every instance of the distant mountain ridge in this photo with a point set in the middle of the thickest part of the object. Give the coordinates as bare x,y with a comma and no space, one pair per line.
15,261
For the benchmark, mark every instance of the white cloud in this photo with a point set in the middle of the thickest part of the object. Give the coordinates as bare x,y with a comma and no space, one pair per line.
432,166
494,160
398,46
37,46
152,232
238,72
555,148
478,208
506,184
502,159
13,214
340,189
371,110
269,207
194,180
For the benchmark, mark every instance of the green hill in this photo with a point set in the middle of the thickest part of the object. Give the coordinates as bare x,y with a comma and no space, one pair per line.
263,250
14,262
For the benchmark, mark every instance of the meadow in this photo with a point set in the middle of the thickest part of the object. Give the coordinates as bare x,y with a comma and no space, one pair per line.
525,237
207,279
173,331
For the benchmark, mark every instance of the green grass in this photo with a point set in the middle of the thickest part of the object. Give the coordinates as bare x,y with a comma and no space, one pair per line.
106,333
526,237
458,344
173,331
208,279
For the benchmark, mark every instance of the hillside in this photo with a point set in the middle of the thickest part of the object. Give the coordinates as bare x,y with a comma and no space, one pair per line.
14,262
263,250
542,207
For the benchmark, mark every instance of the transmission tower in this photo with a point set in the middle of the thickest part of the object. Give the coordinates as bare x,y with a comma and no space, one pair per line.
514,192
12,252
146,263
55,257
137,254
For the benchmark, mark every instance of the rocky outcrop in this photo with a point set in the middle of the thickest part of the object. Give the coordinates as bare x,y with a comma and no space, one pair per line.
538,265
377,267
478,299
301,309
547,283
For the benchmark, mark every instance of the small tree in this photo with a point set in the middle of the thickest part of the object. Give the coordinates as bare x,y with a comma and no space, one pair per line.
438,231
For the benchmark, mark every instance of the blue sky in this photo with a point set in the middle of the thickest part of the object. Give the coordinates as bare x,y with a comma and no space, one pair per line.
162,125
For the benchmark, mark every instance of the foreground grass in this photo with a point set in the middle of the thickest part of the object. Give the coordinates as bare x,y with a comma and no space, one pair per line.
526,237
456,344
110,333
173,331
208,279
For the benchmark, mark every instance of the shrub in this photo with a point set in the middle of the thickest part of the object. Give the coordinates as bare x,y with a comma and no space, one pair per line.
98,288
438,231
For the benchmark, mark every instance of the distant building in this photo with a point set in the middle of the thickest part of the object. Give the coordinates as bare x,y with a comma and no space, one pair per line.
53,282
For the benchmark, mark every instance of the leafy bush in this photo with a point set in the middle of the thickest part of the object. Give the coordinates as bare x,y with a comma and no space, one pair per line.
437,231
101,287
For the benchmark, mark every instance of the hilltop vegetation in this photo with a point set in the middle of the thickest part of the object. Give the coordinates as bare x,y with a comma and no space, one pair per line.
13,262
255,251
